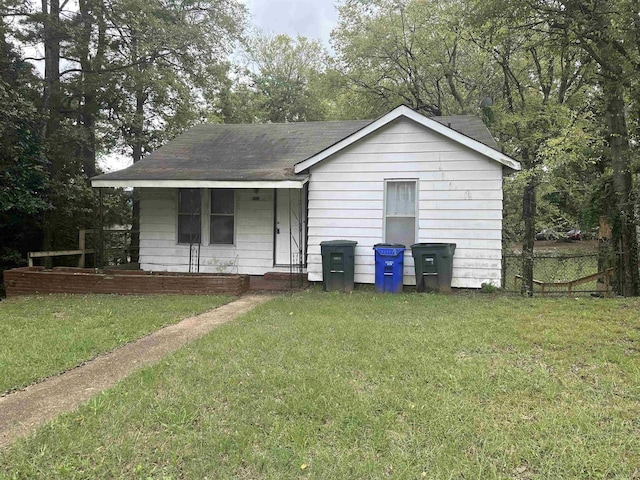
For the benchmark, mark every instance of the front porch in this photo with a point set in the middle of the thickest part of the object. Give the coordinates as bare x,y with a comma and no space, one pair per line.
246,228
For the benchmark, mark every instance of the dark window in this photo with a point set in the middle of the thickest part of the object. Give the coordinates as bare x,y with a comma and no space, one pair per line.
189,215
222,216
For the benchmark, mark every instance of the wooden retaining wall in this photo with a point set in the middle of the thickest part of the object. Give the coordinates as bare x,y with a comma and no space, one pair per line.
37,280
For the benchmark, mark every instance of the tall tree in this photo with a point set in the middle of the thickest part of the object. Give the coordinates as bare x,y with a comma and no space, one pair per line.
607,31
283,81
23,174
412,52
170,64
121,74
539,76
461,56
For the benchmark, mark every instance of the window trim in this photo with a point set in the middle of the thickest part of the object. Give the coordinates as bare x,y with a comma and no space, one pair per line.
211,214
416,182
178,214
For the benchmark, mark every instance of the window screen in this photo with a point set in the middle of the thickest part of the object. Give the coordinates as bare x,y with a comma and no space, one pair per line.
400,212
222,216
189,215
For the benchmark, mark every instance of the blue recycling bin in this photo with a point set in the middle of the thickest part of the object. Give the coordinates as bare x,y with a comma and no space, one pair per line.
389,267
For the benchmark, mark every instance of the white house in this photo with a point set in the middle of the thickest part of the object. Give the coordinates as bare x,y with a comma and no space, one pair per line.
260,198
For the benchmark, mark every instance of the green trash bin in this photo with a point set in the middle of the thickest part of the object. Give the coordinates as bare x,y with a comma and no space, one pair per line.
338,265
434,266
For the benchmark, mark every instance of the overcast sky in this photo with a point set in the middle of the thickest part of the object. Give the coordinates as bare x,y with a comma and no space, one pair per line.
310,18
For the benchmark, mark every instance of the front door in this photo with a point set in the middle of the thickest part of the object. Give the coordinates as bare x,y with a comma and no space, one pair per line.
290,226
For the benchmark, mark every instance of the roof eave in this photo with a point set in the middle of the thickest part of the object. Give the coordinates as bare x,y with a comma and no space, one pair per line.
404,111
98,182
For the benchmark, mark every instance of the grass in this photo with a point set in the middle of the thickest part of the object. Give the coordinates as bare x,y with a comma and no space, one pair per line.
367,386
45,335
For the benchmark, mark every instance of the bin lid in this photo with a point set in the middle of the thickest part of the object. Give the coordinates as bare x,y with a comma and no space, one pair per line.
389,249
338,243
433,245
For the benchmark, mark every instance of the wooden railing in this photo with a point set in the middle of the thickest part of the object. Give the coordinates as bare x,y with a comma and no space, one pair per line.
81,251
102,246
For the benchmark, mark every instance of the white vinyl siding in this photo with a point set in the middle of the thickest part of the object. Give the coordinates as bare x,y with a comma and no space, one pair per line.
252,252
459,201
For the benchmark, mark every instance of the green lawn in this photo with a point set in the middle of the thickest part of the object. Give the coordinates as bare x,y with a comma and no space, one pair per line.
45,335
366,386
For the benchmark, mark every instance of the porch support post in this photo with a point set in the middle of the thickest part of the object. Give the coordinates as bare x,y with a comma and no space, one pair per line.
100,262
81,246
290,243
301,235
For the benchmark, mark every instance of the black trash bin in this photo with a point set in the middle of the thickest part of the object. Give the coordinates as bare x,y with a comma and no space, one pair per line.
434,266
338,265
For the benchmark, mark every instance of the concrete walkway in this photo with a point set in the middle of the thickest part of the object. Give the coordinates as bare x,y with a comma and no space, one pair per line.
21,412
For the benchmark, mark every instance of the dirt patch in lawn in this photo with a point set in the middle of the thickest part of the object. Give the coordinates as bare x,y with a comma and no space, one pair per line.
23,411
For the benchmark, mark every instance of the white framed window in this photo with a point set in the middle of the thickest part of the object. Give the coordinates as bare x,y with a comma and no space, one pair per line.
400,207
189,219
222,219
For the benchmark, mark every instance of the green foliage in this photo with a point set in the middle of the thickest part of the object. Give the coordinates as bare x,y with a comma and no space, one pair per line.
168,64
412,52
489,288
23,175
22,166
22,170
445,57
284,80
121,76
567,165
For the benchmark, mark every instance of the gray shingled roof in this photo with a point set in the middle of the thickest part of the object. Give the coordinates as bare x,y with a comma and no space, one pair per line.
470,126
258,151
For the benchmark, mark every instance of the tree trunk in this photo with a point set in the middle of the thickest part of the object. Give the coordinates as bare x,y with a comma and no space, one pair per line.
137,142
529,206
91,60
613,90
88,121
51,101
137,156
604,253
51,91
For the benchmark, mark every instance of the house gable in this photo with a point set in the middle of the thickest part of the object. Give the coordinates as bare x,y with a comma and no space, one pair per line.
405,112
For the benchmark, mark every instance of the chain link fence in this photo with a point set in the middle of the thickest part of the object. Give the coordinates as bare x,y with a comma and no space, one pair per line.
558,274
